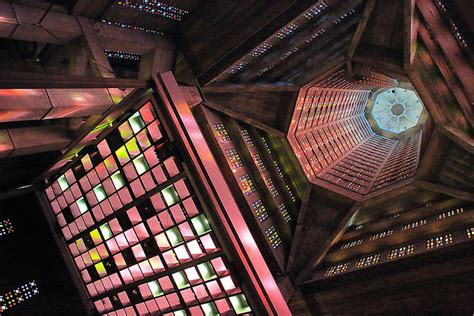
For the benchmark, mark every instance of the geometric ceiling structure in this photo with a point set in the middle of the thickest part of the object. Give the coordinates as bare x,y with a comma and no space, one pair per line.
235,157
396,111
341,149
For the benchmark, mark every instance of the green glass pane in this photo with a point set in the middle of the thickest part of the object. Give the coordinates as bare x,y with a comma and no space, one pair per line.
174,236
201,224
140,164
155,288
181,312
118,180
105,230
125,131
180,279
136,122
100,193
132,147
95,236
94,255
122,154
100,269
81,203
63,184
209,309
170,195
239,303
207,271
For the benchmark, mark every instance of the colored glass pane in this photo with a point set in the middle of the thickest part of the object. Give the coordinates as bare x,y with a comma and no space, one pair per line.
118,180
170,195
239,303
63,184
140,164
201,224
100,193
136,122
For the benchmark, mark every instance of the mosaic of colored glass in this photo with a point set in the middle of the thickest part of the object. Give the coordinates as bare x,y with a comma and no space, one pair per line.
136,230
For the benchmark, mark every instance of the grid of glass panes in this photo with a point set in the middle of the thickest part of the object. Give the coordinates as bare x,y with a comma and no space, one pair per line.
381,235
271,186
234,159
469,232
339,268
246,184
351,244
401,251
284,212
221,132
450,213
273,237
367,261
14,297
6,227
247,139
439,241
414,224
260,210
127,245
259,162
123,168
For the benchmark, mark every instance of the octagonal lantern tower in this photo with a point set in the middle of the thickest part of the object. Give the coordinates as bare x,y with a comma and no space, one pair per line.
395,112
357,137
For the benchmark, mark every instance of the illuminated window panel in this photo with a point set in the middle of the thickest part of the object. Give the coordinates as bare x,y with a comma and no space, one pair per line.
271,186
381,235
121,55
6,227
11,299
401,251
260,50
260,210
265,144
234,159
259,162
344,16
156,8
414,224
236,67
339,268
470,232
273,237
247,185
134,27
451,213
287,30
284,212
315,10
439,241
221,132
247,138
367,261
122,246
352,244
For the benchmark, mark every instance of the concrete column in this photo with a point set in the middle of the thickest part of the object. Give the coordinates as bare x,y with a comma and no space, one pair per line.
97,58
157,61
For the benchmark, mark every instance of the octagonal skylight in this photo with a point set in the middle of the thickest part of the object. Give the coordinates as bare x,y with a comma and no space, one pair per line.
397,110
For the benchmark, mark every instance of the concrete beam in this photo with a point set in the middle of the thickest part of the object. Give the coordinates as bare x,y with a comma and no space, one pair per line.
456,193
192,95
39,104
28,80
30,140
156,61
34,24
97,59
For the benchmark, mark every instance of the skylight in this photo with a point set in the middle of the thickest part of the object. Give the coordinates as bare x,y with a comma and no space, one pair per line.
397,110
